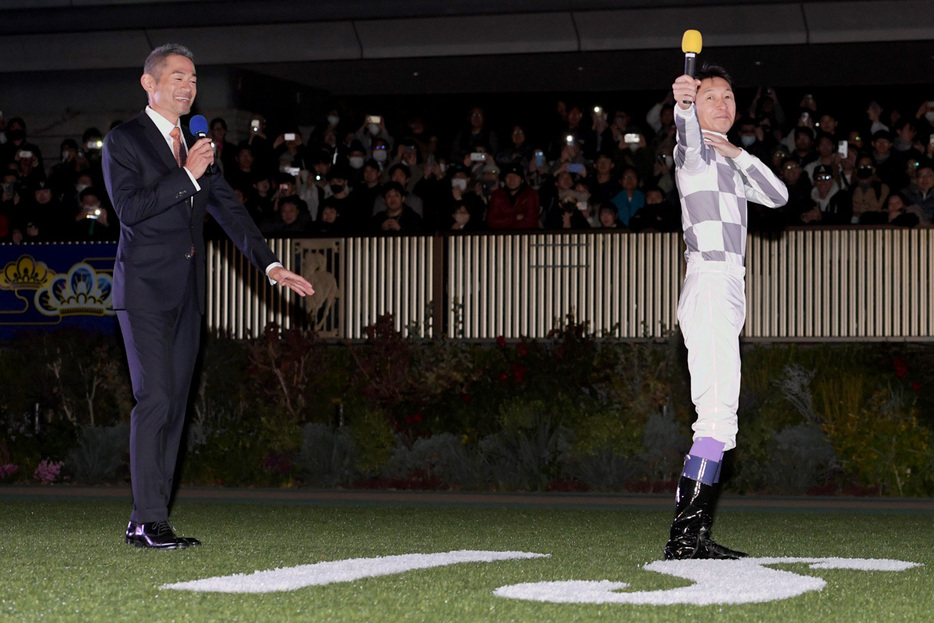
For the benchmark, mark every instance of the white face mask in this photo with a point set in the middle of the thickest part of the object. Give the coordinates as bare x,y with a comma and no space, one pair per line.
461,218
333,119
459,182
379,155
356,162
747,139
633,146
80,187
582,205
65,155
929,115
443,167
373,128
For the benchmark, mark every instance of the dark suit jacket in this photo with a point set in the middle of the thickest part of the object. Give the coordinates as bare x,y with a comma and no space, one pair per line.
159,225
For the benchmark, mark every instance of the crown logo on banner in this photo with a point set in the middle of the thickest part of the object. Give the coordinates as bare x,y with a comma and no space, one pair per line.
81,292
25,274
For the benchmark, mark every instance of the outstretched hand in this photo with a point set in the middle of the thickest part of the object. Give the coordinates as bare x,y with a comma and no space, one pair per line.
288,279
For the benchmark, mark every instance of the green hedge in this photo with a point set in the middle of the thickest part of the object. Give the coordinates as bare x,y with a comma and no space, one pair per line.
570,412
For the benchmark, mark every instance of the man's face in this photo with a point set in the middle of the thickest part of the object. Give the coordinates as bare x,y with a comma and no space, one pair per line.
791,173
604,164
476,118
399,176
630,180
716,106
245,158
43,195
823,182
393,201
882,146
513,181
370,175
289,212
218,133
803,141
825,146
907,133
173,91
329,214
925,178
654,197
828,124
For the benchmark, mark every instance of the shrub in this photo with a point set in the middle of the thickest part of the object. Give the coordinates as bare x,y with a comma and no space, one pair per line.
101,453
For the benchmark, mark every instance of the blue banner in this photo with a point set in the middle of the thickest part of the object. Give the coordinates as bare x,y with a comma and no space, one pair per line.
57,285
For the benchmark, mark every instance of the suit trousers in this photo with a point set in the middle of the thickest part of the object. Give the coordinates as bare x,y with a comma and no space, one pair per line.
711,314
161,349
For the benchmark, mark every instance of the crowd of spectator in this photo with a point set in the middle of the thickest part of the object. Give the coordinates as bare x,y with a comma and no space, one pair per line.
591,168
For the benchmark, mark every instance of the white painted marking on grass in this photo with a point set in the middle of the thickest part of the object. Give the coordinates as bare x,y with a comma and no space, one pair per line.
319,574
715,582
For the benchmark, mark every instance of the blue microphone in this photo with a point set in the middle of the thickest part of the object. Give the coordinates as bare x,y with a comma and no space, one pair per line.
198,126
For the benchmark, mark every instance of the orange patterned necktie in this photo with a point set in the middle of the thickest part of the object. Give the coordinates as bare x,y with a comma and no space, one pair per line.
180,153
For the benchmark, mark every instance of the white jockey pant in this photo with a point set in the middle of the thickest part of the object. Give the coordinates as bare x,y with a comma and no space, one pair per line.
711,313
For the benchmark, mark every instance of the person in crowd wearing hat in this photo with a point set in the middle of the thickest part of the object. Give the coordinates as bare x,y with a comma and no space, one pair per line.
516,205
830,204
869,193
827,154
397,217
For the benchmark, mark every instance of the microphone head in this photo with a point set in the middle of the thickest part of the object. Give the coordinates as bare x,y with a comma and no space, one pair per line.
691,41
198,125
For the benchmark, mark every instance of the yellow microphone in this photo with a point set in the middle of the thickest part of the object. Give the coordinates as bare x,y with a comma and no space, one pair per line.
691,43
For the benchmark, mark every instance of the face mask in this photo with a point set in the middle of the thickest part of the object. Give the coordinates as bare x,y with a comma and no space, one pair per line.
337,189
633,146
65,155
929,115
864,173
80,187
582,205
461,218
459,182
379,155
356,162
747,140
333,119
443,167
373,128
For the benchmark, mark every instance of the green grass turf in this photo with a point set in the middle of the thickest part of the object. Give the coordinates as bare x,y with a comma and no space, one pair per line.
66,561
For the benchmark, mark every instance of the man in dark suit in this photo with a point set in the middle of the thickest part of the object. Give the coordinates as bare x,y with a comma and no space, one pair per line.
161,182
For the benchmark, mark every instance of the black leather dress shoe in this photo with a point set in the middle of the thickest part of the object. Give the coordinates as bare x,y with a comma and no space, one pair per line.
156,535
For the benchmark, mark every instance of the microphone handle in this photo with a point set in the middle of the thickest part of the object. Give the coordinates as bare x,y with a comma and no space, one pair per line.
690,60
210,166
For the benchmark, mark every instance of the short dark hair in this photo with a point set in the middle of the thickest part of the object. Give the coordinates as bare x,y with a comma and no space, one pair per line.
714,71
394,186
156,59
218,120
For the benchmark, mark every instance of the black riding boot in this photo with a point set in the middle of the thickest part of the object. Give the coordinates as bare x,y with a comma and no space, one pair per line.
690,531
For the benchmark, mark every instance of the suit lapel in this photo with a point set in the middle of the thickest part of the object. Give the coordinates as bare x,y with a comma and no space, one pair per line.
158,141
